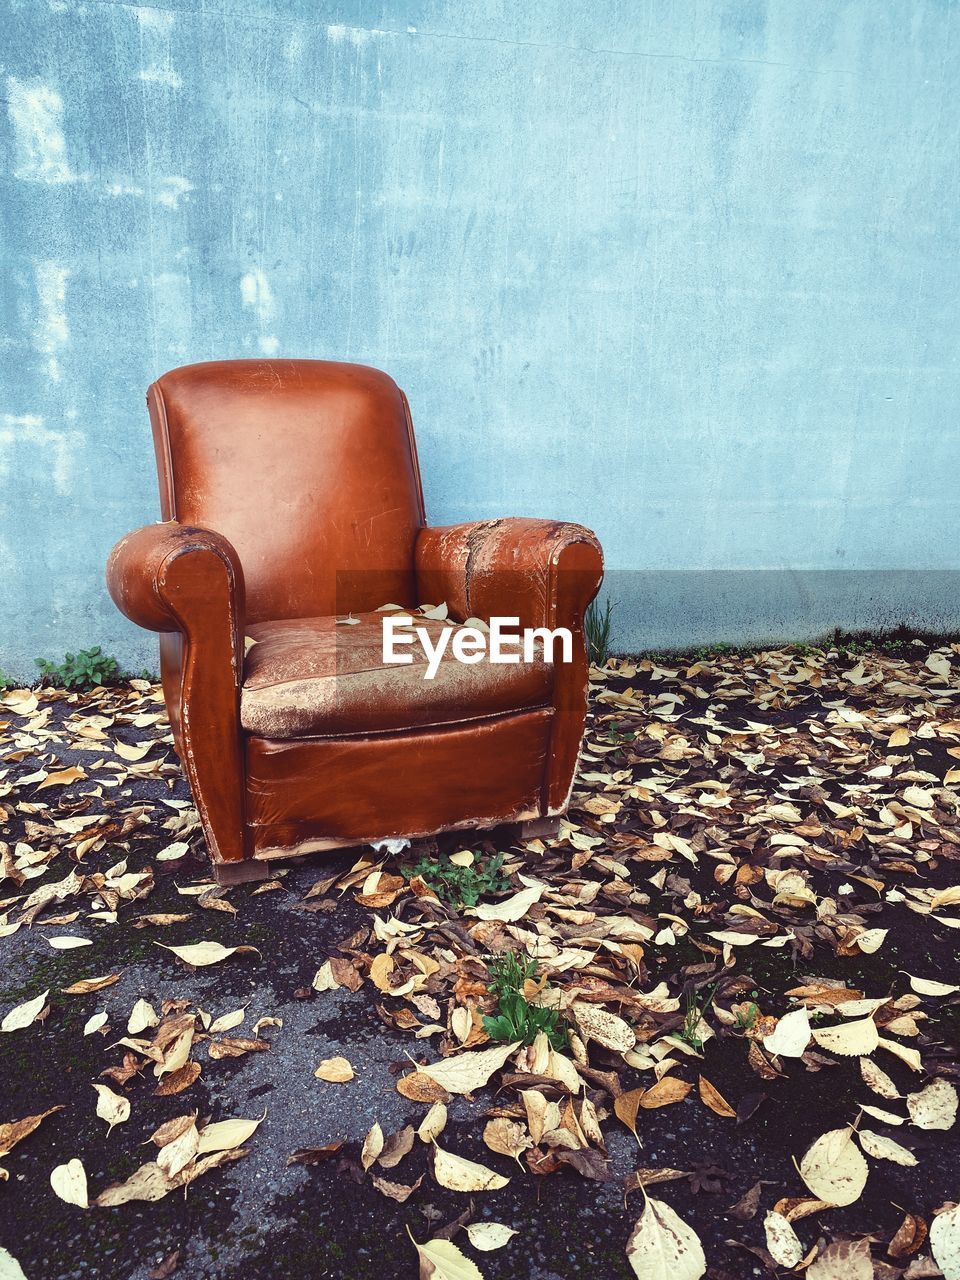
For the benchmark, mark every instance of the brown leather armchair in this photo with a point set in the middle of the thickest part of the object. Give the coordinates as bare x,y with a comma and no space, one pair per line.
291,498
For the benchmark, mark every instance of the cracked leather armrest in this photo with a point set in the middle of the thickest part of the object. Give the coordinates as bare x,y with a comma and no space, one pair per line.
543,572
179,578
174,577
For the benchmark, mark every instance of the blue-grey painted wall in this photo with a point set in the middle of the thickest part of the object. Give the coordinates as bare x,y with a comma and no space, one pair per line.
687,272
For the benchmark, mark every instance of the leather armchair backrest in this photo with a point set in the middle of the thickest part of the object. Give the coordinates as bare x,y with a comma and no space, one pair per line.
308,467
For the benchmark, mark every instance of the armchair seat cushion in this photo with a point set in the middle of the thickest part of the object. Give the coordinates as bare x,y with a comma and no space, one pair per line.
313,677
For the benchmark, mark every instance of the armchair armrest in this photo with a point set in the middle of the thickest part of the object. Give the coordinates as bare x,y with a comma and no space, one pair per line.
174,577
178,578
542,571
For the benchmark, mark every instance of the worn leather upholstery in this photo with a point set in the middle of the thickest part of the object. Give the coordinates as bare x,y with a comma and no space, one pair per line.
291,495
310,676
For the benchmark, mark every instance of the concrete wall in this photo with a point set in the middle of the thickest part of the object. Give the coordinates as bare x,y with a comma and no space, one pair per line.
685,272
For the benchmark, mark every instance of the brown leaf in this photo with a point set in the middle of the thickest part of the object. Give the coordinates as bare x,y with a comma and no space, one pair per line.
395,1190
17,1130
714,1099
419,1087
747,1206
87,985
314,1155
589,1163
178,1080
665,1093
236,1046
909,1237
650,1177
627,1106
396,1146
166,1268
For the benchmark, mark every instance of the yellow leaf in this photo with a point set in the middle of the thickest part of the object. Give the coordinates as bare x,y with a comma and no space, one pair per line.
225,1135
833,1169
199,954
433,1123
663,1247
24,1014
111,1106
69,1181
334,1071
17,1130
856,1039
466,1072
442,1260
457,1174
372,1146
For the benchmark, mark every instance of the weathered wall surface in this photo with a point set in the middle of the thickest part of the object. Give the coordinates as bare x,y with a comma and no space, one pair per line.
685,272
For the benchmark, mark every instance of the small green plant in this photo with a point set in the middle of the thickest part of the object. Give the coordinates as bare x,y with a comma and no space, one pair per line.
461,886
4,682
695,1008
705,652
516,1018
616,733
596,625
747,1015
83,670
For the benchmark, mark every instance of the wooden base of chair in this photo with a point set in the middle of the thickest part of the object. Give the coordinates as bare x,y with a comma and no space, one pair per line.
228,873
251,869
532,829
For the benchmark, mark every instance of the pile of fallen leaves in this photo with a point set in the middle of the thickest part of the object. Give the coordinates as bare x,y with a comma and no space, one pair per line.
757,877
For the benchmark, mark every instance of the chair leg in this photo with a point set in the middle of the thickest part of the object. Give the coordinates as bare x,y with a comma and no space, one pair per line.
532,829
539,829
228,873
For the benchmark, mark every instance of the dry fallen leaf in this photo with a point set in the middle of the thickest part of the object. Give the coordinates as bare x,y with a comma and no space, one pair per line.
843,1260
833,1168
663,1247
24,1014
878,1080
433,1123
883,1148
372,1146
148,1183
945,1242
334,1071
226,1135
69,1181
487,1236
782,1242
10,1268
934,1107
848,1039
605,1028
17,1130
112,1107
664,1093
791,1035
908,1237
714,1099
457,1174
442,1260
506,1137
511,909
468,1071
200,954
